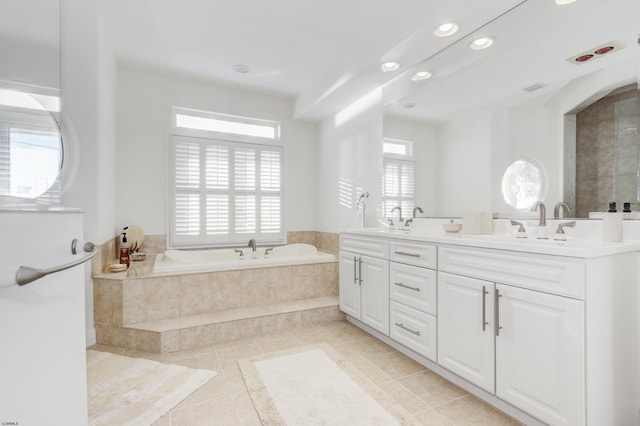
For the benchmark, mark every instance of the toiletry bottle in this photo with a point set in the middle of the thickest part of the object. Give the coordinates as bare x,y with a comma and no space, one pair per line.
124,251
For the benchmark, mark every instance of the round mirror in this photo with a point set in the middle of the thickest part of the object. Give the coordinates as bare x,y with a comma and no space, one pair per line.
523,184
31,151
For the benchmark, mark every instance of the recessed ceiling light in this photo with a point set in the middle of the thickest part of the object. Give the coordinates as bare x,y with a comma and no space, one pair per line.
389,66
242,69
421,75
563,2
481,43
446,29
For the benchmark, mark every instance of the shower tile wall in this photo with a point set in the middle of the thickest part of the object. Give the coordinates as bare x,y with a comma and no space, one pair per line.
607,153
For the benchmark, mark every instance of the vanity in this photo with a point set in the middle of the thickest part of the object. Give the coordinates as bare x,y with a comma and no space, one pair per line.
546,331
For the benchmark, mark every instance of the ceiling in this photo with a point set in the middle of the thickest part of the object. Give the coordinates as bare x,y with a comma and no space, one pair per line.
323,55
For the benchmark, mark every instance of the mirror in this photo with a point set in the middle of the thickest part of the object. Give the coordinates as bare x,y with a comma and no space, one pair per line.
482,110
31,151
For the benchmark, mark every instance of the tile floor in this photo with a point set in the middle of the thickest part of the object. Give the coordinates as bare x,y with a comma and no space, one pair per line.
224,400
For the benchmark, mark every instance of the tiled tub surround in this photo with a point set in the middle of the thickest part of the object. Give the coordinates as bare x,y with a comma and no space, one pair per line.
160,314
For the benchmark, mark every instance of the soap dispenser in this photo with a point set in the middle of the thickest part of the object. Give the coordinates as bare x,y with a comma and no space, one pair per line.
125,255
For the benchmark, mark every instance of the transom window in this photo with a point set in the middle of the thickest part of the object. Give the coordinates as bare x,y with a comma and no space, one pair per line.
225,192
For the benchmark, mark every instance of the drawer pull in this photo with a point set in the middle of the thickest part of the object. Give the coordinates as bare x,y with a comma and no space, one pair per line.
401,325
404,253
407,286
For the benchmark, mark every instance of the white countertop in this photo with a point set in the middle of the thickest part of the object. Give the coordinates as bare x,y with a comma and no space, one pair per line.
572,247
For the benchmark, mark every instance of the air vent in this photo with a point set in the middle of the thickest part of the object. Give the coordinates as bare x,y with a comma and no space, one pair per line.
533,87
596,52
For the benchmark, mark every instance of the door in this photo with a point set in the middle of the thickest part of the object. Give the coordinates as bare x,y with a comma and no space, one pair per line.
42,324
540,354
374,293
349,291
465,328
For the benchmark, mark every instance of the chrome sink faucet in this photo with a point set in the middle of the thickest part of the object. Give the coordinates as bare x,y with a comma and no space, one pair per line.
557,209
400,219
416,208
252,244
542,224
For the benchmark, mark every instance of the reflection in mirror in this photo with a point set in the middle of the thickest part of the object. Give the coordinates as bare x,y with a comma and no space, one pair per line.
522,184
481,110
607,152
31,151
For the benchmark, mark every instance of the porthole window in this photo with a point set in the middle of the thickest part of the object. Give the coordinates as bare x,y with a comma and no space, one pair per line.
523,183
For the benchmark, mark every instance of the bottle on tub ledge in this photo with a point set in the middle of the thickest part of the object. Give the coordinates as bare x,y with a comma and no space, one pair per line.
612,225
125,251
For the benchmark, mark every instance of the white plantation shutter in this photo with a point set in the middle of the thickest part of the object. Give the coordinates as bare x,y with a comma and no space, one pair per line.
225,193
398,185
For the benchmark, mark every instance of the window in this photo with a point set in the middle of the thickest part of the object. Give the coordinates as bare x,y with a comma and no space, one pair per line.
31,151
225,192
399,176
227,124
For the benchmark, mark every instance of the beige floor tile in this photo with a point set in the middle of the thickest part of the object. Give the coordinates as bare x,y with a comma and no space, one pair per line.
188,353
245,410
163,421
166,358
403,397
431,388
431,418
371,371
207,361
371,347
470,411
217,412
229,357
397,365
215,388
235,382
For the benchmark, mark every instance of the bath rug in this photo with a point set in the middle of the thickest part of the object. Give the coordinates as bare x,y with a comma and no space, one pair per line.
136,391
315,385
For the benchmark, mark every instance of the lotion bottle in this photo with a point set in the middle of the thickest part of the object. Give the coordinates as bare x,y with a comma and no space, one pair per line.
125,255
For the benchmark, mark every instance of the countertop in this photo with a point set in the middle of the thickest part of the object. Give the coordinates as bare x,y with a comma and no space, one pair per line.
573,247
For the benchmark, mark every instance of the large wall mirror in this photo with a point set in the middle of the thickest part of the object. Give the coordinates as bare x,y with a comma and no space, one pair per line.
530,95
31,150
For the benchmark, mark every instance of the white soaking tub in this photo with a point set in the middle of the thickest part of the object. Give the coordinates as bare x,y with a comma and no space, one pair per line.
176,261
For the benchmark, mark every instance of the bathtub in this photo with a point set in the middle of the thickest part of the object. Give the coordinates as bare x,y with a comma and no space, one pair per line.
180,261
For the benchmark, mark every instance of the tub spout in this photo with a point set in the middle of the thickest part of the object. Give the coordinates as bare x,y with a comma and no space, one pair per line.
252,244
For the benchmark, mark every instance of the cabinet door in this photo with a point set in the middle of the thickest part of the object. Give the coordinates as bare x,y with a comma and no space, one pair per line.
540,354
374,293
349,292
465,328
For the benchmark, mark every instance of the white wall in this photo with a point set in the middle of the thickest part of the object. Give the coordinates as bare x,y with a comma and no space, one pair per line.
425,152
349,159
88,116
464,178
144,121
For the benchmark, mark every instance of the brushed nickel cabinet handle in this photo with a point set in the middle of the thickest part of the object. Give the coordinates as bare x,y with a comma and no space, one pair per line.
407,286
399,324
404,253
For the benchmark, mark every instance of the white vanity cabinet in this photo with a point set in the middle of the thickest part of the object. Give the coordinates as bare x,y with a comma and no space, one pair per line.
412,294
466,328
364,280
538,336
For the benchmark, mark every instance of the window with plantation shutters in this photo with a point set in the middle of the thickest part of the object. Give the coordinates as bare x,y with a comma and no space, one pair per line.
398,185
225,192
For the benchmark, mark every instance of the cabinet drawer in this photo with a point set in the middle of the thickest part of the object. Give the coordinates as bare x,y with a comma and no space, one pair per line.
541,273
414,329
413,286
373,247
413,253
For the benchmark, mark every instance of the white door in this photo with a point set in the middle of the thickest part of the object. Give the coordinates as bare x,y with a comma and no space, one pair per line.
540,355
374,294
466,328
42,325
349,291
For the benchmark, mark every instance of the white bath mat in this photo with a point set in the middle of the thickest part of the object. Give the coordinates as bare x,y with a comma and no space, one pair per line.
135,391
314,385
